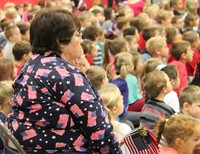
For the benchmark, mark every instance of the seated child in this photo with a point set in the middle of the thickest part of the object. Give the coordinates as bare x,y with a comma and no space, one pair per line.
97,76
114,104
181,133
22,53
190,101
171,98
156,85
182,53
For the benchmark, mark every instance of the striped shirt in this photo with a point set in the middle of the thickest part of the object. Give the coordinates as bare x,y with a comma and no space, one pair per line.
152,111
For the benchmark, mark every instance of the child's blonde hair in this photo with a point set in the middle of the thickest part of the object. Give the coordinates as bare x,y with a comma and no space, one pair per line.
178,126
189,94
96,74
5,91
112,91
155,43
152,9
121,61
163,15
178,48
153,83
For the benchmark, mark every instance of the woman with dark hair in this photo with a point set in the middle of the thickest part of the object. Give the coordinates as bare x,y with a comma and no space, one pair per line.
55,107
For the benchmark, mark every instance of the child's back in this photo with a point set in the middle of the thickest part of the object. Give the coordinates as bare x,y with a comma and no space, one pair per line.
156,84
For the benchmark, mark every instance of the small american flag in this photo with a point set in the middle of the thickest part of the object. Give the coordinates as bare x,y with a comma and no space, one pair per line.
141,141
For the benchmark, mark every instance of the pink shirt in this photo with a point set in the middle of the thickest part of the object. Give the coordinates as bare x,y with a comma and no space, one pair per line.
167,150
137,7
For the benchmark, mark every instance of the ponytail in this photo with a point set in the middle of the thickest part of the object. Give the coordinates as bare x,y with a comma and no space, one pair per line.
161,127
106,59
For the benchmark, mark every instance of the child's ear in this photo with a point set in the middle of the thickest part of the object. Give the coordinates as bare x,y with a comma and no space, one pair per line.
186,106
183,56
113,110
172,82
165,89
158,52
178,143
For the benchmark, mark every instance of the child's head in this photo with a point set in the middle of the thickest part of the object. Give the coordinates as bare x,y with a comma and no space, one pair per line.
126,11
85,19
150,65
173,75
24,30
156,83
131,31
99,15
5,23
5,96
132,41
157,47
90,33
97,76
190,101
144,21
124,64
113,47
22,51
177,4
137,63
7,71
114,102
13,34
89,48
171,34
164,17
182,51
122,23
190,20
150,32
152,10
178,22
181,132
109,13
191,6
193,38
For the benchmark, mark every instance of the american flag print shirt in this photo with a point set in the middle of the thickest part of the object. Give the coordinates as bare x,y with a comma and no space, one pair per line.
56,110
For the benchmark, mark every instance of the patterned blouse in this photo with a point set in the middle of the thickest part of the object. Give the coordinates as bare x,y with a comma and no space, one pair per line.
56,109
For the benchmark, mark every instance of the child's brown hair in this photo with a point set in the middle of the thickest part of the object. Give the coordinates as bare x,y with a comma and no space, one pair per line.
6,69
178,48
114,47
153,83
189,94
21,48
96,74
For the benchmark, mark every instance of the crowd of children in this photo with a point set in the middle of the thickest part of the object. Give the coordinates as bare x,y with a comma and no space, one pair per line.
142,58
